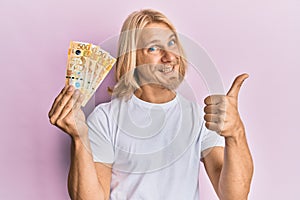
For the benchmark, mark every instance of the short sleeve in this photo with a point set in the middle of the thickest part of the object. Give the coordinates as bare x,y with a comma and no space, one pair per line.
99,136
210,139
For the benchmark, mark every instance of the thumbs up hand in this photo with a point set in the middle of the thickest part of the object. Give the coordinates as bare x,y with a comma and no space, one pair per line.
221,111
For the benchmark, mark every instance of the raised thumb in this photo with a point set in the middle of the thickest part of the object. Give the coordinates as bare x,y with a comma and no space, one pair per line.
236,85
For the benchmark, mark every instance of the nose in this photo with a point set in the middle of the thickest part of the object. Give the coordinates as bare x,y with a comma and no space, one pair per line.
168,56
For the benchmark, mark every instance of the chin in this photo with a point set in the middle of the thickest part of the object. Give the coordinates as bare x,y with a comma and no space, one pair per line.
171,84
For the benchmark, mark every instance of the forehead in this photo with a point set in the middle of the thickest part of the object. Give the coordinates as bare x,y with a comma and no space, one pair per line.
155,31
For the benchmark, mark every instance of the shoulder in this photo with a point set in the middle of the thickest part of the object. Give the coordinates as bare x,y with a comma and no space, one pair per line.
106,109
102,107
186,103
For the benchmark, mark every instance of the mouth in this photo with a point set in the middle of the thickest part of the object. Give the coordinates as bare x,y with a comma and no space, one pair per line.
166,69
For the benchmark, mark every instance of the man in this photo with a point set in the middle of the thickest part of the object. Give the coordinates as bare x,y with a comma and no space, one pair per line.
147,142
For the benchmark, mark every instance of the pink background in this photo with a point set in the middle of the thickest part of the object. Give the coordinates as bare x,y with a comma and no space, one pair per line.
258,37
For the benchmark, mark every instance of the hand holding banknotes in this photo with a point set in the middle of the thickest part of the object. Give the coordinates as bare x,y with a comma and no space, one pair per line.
66,112
87,66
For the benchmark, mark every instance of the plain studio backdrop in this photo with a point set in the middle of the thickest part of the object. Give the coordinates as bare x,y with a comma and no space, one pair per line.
257,37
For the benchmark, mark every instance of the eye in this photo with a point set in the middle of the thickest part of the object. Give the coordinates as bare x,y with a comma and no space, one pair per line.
171,43
153,49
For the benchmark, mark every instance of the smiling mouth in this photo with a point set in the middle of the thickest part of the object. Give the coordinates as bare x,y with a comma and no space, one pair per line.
167,69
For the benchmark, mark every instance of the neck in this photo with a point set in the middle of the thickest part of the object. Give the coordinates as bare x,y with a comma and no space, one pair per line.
154,94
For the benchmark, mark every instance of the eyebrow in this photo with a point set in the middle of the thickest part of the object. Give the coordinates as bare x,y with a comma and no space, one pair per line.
155,41
172,35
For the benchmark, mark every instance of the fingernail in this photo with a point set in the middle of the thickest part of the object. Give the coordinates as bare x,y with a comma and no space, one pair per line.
77,92
70,88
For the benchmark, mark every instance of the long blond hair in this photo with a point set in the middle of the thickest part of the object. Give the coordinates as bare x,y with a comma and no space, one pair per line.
126,61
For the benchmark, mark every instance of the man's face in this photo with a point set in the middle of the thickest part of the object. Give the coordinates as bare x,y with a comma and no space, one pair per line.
158,57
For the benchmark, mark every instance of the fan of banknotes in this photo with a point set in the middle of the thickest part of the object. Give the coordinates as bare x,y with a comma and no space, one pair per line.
87,67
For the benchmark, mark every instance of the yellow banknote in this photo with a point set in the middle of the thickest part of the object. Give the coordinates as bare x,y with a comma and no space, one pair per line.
87,66
77,64
101,68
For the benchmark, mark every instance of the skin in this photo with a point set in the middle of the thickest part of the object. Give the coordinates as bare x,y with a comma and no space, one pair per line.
230,169
157,49
87,180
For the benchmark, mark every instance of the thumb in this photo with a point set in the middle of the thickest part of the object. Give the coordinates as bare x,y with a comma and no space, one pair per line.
236,85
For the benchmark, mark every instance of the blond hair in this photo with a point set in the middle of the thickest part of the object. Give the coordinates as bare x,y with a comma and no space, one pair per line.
126,61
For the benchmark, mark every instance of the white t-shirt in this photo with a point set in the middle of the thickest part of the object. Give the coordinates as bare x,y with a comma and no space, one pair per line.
155,149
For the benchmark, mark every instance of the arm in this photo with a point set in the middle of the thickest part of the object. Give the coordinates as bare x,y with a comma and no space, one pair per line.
230,169
237,169
86,180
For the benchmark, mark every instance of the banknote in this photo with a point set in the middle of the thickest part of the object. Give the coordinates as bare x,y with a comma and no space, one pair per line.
102,67
92,61
87,66
77,64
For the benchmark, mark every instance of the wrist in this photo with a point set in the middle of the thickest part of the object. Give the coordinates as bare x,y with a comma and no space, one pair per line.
237,137
80,134
79,140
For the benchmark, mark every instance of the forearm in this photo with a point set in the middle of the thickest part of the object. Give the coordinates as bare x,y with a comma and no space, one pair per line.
237,171
83,183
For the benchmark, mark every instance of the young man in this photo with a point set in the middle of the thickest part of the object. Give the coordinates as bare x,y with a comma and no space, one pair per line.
148,141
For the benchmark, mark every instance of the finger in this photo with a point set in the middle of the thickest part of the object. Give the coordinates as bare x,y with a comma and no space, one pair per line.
215,109
61,104
211,118
236,85
214,99
69,105
57,99
213,126
78,103
210,109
